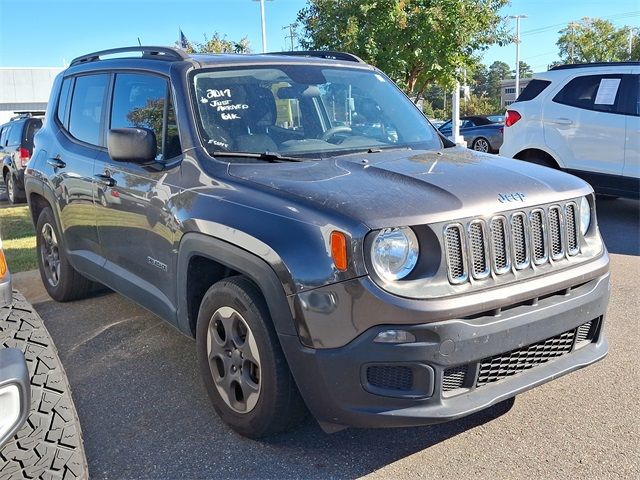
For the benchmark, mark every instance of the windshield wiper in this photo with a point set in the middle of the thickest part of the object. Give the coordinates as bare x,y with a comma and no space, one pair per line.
272,157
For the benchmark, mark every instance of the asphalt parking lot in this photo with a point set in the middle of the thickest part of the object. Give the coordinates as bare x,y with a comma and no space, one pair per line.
145,414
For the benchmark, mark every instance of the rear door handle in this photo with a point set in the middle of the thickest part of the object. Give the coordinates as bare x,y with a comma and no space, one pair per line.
56,162
105,179
561,121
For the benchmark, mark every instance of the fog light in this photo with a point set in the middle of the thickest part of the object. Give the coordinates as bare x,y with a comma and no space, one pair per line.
395,336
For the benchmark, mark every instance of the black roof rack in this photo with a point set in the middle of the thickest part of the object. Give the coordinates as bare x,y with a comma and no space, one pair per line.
20,114
348,57
162,53
594,64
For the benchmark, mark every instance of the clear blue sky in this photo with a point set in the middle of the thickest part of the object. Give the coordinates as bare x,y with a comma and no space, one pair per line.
48,32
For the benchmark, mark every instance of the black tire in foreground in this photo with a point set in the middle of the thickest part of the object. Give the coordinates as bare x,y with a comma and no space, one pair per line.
50,444
241,362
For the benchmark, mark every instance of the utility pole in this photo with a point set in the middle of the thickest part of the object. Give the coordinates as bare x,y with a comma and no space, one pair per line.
631,30
293,35
517,17
264,29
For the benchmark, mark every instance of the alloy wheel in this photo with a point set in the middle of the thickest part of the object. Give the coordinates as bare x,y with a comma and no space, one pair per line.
481,145
50,254
11,190
234,359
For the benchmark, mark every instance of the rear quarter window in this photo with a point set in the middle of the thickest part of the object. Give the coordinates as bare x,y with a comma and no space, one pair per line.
532,90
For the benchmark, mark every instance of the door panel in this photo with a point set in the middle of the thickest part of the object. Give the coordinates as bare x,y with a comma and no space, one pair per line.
581,124
135,211
632,139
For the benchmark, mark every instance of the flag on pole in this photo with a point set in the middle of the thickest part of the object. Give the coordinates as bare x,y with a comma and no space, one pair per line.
183,42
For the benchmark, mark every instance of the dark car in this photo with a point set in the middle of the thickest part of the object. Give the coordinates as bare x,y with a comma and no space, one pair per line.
325,246
481,133
16,147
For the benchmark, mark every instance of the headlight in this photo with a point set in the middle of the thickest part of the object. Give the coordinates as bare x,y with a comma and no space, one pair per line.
585,215
394,252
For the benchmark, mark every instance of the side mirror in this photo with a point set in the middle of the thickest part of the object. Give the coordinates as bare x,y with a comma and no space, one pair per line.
136,145
15,392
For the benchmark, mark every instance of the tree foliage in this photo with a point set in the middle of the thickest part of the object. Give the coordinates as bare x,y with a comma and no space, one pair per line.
416,42
593,40
220,44
497,71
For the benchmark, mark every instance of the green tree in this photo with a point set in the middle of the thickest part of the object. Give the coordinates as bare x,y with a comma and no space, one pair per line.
525,71
220,44
479,105
416,42
497,71
592,40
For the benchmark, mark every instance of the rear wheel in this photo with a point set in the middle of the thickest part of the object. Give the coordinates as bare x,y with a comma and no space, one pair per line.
481,145
14,193
62,282
242,364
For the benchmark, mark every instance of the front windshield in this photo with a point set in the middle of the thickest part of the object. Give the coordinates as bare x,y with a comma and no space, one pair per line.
306,110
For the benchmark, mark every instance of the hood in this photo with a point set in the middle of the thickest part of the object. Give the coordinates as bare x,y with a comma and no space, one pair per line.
410,187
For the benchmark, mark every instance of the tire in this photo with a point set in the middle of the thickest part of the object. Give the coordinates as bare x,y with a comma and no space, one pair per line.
481,144
50,444
14,194
62,282
230,308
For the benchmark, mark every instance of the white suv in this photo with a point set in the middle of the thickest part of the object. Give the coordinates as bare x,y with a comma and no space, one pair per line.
584,119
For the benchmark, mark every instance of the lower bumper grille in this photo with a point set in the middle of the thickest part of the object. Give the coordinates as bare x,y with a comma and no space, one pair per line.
499,367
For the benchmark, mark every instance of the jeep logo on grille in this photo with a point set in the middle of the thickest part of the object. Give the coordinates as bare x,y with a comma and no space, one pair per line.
511,197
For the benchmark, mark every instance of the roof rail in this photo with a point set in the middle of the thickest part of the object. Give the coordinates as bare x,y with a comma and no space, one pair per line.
20,114
594,64
161,53
348,57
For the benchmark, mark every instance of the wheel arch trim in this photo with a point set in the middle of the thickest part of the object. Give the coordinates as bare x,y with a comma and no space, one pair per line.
234,257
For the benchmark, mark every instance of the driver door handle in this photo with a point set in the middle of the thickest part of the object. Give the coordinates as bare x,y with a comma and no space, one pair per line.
105,179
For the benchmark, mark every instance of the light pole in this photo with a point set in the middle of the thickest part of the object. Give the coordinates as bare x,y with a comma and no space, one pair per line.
264,29
517,17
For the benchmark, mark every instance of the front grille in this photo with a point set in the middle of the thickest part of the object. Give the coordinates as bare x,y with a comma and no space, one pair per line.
555,232
479,248
538,237
572,229
504,365
479,253
455,254
390,377
454,378
501,263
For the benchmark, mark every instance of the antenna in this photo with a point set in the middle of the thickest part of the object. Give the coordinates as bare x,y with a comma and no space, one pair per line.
139,44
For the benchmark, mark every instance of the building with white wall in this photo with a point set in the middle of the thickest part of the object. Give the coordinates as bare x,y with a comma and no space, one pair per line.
25,88
508,90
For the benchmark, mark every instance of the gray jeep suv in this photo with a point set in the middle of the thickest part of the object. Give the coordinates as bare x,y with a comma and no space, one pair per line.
324,245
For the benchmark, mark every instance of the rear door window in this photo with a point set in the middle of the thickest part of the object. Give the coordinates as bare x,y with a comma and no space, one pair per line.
592,92
15,134
87,106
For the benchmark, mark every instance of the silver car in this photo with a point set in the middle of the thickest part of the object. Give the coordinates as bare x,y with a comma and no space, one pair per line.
481,133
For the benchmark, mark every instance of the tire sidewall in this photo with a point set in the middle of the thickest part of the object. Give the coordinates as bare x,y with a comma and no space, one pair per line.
224,293
57,292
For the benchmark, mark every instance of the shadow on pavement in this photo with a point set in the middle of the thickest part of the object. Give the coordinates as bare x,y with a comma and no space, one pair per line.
619,222
145,414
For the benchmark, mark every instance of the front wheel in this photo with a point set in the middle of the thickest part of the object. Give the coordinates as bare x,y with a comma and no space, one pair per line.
242,364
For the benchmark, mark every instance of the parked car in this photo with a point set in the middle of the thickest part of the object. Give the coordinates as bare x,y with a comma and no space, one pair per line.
16,147
374,279
480,133
583,119
40,434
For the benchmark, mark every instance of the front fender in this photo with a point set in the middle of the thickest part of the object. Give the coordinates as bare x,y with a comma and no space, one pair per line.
264,274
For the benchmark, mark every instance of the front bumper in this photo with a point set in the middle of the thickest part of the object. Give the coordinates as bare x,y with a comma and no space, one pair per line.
336,385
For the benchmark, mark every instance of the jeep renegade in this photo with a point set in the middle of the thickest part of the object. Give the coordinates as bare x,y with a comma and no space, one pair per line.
327,249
